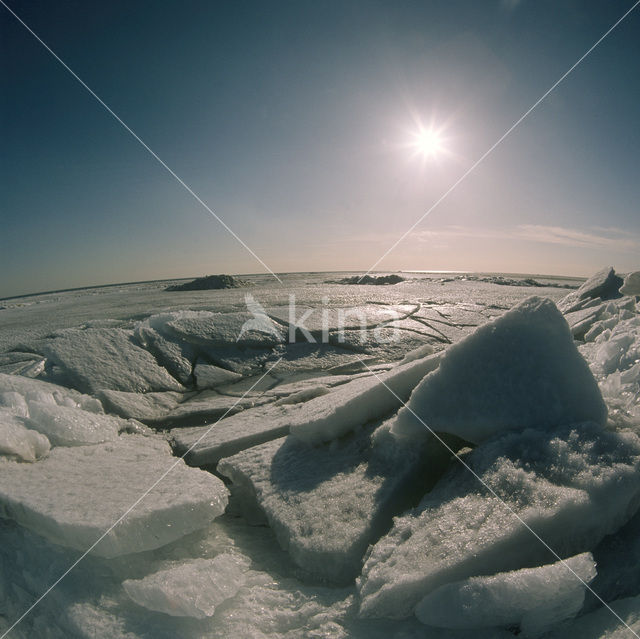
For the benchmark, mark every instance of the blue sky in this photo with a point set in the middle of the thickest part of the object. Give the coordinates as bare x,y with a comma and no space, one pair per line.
293,121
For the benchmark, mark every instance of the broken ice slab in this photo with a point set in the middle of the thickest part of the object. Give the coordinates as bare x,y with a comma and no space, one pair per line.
77,494
65,426
250,427
204,328
210,376
193,588
604,284
355,403
572,487
534,599
95,359
326,504
519,371
19,442
207,407
26,364
581,321
175,355
143,406
322,418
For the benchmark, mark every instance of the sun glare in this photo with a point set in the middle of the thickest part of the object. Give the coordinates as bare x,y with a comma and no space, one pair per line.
428,143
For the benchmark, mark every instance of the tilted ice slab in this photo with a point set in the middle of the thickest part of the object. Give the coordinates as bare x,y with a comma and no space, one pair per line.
142,406
604,285
572,487
322,418
327,503
192,588
204,328
208,444
73,496
362,400
535,599
207,407
65,426
519,371
176,355
98,358
210,376
19,442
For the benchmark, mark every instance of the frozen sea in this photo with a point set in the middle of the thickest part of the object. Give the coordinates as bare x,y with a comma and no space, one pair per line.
454,455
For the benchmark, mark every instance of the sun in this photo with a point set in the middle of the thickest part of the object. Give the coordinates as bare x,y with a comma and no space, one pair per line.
428,143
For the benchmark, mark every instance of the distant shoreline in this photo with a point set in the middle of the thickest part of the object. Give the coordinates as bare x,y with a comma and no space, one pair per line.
183,279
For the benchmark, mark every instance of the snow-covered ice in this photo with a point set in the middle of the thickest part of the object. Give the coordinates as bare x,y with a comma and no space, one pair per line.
534,599
519,371
334,486
572,486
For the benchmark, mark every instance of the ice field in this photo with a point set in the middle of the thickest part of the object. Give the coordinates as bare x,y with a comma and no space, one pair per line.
449,456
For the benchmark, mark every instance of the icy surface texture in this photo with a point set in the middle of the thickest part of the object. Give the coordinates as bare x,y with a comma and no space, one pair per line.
326,504
519,371
190,589
73,496
572,487
355,403
19,442
94,359
65,426
535,599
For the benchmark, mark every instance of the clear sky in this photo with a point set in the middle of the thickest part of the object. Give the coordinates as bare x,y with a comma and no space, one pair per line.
296,122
